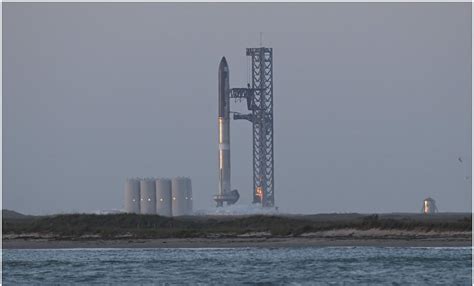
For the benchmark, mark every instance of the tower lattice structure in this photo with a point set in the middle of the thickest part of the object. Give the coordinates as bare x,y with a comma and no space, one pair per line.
259,97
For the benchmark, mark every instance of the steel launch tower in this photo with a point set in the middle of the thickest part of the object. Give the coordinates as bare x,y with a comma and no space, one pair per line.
259,97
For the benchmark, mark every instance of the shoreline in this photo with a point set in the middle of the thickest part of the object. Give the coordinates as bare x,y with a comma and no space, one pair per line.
263,242
320,230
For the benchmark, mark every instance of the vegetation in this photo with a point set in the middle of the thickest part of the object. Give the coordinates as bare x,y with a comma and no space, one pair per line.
154,226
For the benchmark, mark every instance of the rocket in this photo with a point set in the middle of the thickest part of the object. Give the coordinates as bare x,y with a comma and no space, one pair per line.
224,192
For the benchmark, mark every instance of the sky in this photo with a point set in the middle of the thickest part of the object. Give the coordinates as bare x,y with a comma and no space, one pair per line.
372,102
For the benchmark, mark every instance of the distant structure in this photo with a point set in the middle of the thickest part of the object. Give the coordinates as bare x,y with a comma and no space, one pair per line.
181,193
162,196
147,196
429,206
224,191
132,196
259,97
189,197
108,212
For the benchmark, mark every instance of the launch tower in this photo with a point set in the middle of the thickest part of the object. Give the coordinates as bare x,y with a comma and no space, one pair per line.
259,97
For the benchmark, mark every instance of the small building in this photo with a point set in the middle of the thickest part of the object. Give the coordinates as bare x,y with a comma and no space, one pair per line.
429,206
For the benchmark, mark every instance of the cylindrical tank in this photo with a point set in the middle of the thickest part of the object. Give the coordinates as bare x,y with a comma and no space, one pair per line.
429,206
189,197
163,197
179,187
147,196
132,196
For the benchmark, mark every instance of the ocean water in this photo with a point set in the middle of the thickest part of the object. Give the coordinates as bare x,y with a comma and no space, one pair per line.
228,266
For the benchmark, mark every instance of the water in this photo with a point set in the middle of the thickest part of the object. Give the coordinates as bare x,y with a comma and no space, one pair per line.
307,266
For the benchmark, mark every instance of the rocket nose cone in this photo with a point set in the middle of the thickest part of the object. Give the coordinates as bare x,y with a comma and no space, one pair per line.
223,63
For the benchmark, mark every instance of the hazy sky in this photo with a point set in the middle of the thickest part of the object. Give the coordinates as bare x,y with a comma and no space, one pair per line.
372,102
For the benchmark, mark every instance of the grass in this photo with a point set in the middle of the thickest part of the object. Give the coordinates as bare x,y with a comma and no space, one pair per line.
154,226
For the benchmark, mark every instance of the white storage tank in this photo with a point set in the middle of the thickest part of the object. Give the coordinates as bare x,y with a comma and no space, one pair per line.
132,196
179,187
147,196
189,197
163,196
429,206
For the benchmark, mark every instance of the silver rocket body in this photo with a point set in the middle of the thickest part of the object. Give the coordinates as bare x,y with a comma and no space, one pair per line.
224,193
